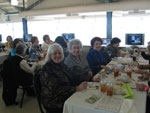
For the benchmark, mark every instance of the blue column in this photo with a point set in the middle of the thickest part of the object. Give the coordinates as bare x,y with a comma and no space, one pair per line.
109,25
25,26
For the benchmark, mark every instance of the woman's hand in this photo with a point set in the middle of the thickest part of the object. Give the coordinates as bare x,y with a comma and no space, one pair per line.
105,67
26,57
90,74
82,86
96,78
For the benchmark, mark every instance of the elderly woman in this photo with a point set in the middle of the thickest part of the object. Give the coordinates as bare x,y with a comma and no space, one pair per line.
22,74
46,43
35,49
112,49
56,81
96,56
76,62
148,48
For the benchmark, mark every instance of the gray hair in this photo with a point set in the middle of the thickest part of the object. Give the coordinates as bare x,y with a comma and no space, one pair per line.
73,42
20,49
51,50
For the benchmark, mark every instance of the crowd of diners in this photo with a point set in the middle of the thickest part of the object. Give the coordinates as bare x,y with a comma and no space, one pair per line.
65,70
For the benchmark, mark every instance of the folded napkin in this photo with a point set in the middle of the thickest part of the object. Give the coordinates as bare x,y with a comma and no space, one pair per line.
92,99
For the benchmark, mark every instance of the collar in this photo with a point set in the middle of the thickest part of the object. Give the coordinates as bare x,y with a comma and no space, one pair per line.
19,55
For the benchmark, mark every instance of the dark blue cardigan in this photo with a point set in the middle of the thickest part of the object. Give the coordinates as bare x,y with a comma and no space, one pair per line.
95,60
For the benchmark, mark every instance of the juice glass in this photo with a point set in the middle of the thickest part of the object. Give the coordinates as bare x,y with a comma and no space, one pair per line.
116,72
109,89
129,73
103,86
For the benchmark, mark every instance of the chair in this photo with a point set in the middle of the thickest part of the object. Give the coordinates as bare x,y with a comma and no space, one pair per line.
9,86
24,88
37,88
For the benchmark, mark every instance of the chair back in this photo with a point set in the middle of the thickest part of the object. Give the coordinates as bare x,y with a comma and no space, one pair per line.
9,87
37,88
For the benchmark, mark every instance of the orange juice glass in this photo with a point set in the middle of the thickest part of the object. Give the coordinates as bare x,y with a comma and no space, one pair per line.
103,86
116,72
129,73
109,89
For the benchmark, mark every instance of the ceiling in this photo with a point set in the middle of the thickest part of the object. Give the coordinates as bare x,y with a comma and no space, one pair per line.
36,8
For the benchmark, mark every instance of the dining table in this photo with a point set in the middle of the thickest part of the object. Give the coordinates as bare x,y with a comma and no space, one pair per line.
3,56
117,103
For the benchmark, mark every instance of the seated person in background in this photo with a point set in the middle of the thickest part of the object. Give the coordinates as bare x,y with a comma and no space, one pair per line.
76,62
16,42
56,81
62,41
46,43
9,43
35,49
112,49
146,56
16,72
148,48
23,65
1,47
96,56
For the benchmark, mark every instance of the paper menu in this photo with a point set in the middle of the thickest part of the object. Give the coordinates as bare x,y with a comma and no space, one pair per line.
112,104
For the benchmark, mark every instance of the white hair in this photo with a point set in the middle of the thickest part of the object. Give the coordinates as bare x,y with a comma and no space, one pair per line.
52,49
73,42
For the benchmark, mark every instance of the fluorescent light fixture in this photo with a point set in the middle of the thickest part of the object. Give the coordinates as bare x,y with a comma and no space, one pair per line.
50,16
4,3
14,2
92,13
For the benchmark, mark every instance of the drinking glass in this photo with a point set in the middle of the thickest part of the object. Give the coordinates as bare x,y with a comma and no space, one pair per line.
103,86
109,89
116,72
129,73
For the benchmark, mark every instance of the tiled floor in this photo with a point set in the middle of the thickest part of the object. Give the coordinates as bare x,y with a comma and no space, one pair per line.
29,105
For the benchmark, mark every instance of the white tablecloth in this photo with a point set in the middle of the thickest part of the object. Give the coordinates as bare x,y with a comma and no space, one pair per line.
76,103
3,56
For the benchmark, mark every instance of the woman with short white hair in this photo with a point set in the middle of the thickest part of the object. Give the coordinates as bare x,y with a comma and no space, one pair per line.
56,81
77,63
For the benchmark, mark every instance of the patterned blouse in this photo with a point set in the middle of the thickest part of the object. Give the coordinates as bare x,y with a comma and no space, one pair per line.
56,85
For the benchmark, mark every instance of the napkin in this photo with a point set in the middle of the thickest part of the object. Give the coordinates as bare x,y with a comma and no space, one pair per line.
92,99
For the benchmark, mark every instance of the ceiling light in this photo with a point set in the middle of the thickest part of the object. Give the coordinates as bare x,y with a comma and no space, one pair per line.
50,16
92,13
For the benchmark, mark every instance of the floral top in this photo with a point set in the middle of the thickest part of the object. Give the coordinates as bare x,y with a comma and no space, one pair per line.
34,52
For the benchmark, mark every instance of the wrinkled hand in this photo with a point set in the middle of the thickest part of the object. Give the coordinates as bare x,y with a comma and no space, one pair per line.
82,86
